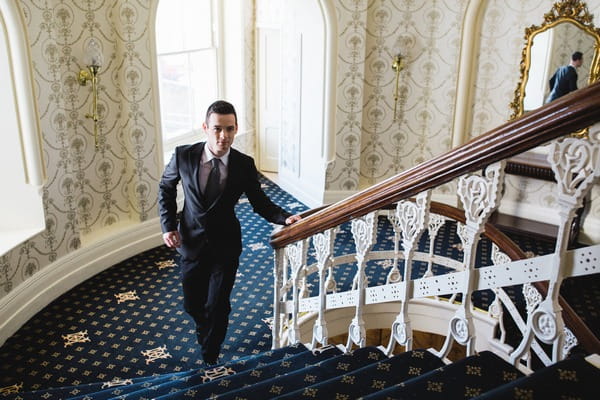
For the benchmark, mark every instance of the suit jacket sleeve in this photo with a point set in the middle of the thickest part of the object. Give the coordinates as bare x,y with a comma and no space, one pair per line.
167,195
552,80
259,200
572,80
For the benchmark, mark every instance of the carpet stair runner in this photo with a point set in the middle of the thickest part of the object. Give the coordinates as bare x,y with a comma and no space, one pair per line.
121,387
295,372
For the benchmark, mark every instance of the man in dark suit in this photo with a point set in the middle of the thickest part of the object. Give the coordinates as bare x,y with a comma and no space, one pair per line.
207,232
564,79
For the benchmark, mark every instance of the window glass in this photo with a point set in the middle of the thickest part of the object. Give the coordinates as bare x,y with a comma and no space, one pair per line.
187,66
184,25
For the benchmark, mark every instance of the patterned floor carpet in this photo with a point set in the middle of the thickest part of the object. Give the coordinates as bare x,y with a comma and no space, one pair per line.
128,320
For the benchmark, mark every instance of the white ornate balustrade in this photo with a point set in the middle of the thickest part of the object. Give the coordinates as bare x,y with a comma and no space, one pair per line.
404,303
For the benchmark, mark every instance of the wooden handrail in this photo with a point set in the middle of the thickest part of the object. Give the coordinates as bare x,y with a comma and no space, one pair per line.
568,114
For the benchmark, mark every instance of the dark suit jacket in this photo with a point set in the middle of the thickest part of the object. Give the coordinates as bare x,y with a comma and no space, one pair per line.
562,82
218,225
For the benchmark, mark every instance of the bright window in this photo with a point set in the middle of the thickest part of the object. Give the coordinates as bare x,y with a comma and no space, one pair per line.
188,67
21,210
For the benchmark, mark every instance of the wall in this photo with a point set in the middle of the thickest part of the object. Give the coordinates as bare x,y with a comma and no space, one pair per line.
370,145
91,195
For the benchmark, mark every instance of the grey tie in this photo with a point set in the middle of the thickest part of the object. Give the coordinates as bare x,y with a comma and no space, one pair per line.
213,189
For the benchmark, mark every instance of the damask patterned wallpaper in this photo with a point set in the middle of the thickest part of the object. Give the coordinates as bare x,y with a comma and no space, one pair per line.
89,190
370,144
344,172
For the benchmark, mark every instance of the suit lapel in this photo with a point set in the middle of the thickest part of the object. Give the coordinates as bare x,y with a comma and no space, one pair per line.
194,160
232,171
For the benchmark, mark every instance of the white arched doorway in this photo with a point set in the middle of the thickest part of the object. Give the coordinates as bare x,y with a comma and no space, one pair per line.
296,93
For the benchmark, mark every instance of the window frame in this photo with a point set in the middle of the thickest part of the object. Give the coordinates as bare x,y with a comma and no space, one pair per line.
217,29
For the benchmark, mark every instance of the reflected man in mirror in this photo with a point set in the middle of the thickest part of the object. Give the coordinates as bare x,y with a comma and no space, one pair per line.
207,233
564,79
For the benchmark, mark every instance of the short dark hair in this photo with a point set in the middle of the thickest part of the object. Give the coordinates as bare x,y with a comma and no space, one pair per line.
577,56
221,107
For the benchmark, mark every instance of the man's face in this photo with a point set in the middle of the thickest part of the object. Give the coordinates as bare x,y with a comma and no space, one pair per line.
579,62
220,131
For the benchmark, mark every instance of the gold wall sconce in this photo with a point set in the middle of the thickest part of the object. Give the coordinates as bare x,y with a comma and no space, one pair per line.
397,66
93,60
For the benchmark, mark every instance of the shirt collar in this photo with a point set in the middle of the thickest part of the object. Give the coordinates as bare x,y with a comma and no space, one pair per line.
207,156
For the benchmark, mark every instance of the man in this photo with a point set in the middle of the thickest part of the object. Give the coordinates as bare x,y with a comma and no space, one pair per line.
564,79
207,232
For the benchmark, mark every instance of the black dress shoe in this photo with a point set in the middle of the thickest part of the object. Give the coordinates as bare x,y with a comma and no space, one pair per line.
210,359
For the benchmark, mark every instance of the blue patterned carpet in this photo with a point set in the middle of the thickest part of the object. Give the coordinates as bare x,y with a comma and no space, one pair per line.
128,321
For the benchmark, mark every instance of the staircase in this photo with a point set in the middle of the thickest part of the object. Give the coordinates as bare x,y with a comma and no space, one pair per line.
512,350
295,372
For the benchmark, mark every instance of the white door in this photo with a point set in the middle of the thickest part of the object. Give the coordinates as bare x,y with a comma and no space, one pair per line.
269,97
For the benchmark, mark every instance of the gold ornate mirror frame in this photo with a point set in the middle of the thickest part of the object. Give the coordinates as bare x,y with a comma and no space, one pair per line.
565,11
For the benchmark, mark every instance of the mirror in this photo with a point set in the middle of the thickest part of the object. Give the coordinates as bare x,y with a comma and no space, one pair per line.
567,28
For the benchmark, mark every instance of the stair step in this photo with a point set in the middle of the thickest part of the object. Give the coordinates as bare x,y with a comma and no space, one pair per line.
198,389
81,390
311,374
573,378
467,378
121,387
371,378
212,374
295,372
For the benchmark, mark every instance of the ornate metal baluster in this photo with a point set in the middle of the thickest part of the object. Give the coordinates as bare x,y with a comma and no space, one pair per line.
296,255
330,283
502,301
436,221
495,309
480,197
323,244
394,275
569,342
303,285
463,235
411,219
284,296
363,230
278,266
576,164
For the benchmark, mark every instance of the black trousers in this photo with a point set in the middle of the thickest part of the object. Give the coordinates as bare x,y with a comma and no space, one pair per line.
207,283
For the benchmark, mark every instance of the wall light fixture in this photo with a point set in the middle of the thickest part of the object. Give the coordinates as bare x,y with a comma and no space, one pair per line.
397,66
93,60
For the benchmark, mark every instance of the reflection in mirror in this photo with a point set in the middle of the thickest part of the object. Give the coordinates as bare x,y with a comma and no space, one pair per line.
550,50
567,28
